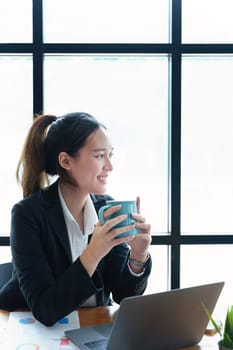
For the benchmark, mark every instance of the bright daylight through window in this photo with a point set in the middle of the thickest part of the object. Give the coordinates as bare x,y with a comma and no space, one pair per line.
161,82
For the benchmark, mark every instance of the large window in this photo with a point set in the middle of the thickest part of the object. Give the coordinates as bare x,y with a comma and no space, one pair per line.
16,116
159,74
88,21
107,86
207,144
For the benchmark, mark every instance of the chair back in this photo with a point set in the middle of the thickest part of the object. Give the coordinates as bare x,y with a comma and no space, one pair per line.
5,273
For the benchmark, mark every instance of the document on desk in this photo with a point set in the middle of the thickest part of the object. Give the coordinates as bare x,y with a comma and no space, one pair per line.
24,332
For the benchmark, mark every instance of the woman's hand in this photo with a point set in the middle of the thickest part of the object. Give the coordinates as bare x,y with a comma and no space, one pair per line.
104,239
140,244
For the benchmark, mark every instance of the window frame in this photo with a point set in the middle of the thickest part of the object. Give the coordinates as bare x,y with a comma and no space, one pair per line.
175,49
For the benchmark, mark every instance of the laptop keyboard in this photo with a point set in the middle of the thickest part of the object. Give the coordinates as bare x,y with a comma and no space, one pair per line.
100,344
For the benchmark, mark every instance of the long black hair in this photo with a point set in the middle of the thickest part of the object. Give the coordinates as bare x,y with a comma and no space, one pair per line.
48,136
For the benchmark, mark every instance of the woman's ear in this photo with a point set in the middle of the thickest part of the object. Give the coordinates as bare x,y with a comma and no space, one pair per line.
64,160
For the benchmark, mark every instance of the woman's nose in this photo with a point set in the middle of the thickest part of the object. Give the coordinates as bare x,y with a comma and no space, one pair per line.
108,165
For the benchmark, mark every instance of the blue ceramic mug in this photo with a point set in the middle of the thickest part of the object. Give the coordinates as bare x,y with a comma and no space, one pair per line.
127,207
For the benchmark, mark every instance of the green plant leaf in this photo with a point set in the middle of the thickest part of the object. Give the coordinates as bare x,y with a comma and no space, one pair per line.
228,329
227,341
211,319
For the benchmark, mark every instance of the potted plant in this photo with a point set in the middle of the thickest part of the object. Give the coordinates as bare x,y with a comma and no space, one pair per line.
226,341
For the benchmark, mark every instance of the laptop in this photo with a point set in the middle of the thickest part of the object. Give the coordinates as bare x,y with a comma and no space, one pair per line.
162,321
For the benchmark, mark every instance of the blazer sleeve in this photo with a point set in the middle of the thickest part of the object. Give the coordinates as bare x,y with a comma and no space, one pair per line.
118,279
51,284
122,282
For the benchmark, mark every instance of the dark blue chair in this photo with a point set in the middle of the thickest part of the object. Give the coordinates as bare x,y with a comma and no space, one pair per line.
5,273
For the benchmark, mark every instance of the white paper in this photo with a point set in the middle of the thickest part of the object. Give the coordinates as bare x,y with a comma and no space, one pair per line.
24,332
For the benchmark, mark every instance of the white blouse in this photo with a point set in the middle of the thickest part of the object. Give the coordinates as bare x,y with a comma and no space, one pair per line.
78,239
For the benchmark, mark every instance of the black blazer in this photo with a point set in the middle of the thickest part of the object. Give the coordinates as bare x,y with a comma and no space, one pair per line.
45,279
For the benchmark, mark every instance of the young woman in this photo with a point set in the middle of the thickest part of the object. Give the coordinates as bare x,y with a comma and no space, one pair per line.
63,256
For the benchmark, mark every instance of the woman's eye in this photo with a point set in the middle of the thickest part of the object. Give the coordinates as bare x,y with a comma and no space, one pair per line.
100,155
103,155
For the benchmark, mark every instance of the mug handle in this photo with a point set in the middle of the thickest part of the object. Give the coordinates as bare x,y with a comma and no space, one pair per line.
101,213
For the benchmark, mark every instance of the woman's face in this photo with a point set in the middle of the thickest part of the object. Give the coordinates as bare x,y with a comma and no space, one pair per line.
92,165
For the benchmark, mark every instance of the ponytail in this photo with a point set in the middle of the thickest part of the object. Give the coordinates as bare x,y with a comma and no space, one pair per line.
43,145
31,167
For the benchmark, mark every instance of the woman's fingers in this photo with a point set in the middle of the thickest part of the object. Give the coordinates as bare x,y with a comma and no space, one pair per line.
108,212
138,202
